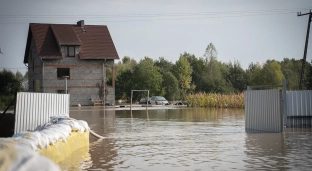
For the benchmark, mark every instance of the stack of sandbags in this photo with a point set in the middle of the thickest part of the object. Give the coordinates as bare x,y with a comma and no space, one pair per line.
16,157
49,134
19,152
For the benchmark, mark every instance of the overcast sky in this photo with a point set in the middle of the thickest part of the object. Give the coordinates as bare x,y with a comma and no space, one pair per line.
243,30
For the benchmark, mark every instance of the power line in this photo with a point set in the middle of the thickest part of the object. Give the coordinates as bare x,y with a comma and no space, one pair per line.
172,19
159,14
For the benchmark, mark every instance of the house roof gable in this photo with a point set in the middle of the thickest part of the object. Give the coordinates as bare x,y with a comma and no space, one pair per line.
94,40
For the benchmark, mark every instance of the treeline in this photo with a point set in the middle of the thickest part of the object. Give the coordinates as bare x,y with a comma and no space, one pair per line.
192,75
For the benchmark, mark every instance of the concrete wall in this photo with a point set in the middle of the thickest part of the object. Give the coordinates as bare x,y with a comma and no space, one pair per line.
84,77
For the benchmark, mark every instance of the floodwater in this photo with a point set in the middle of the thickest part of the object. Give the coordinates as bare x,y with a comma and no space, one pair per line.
188,139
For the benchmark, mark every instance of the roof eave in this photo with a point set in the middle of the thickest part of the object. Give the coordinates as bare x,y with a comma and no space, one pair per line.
99,57
28,45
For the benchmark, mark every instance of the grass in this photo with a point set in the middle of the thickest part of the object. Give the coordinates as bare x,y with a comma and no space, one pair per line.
216,100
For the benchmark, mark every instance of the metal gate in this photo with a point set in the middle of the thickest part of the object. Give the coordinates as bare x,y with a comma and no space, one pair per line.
263,110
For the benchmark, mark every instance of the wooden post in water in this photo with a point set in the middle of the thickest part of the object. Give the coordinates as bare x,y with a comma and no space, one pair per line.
131,103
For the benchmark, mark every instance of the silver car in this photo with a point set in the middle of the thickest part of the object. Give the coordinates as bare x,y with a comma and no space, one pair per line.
158,100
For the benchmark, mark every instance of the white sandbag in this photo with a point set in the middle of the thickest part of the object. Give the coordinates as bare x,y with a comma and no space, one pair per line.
66,127
49,134
73,124
15,157
59,133
55,119
44,140
84,124
27,143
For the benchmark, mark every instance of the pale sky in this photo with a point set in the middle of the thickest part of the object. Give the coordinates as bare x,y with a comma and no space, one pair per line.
243,30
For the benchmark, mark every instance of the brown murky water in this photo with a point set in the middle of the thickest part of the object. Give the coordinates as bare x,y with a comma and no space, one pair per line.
189,139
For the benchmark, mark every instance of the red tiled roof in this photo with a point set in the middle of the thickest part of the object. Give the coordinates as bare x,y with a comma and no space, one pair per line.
95,42
44,40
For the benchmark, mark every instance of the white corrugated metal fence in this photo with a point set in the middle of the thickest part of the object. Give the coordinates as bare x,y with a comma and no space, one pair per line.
35,109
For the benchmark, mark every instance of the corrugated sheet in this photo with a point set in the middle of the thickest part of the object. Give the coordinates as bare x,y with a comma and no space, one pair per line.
35,109
299,107
263,110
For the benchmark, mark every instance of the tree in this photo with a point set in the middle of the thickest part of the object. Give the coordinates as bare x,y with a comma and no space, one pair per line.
171,86
269,74
292,70
126,64
182,71
10,83
147,76
198,67
163,64
123,85
309,78
237,76
210,53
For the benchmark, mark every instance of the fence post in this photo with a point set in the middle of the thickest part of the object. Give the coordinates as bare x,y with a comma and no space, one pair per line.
285,103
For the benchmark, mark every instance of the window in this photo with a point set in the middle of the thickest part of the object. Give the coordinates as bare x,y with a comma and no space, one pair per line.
62,72
71,51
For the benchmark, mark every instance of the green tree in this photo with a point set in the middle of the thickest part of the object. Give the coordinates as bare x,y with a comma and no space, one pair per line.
163,64
147,76
292,71
182,71
170,82
198,67
123,85
269,74
10,84
237,76
171,86
309,78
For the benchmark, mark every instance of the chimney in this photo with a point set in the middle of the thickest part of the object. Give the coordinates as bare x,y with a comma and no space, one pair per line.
80,23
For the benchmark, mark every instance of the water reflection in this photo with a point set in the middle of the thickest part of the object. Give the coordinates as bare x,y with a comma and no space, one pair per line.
189,139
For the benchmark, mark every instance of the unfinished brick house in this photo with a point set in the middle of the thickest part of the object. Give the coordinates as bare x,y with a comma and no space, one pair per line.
84,53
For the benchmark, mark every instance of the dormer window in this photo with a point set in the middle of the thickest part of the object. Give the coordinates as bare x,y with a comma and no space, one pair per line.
71,51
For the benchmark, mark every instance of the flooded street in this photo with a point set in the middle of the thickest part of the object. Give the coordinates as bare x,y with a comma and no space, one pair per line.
189,139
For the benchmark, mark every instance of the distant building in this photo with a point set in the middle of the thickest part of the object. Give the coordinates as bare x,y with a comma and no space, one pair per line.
85,53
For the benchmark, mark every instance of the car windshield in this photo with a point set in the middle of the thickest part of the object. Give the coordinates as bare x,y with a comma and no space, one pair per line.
160,98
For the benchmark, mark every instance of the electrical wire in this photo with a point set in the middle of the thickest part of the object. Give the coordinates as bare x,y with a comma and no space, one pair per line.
273,11
172,16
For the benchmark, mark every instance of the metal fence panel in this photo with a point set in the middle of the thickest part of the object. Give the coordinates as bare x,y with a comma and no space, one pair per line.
299,105
263,110
35,109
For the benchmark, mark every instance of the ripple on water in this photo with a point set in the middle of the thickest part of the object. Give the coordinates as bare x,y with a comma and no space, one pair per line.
189,139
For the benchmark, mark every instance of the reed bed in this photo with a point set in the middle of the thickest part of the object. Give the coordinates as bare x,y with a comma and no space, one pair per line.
216,100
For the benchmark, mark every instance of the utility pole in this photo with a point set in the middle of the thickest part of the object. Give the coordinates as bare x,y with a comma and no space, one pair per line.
305,48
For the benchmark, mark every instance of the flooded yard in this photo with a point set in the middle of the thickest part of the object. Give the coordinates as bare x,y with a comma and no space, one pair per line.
188,139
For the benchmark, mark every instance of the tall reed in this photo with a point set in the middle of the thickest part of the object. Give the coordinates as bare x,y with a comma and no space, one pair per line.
215,100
